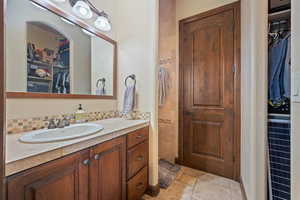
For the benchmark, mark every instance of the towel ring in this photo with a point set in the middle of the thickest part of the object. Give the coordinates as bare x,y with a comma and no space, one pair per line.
102,80
133,77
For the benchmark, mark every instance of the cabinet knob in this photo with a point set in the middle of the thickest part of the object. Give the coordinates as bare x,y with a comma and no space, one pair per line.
140,158
97,157
139,136
86,162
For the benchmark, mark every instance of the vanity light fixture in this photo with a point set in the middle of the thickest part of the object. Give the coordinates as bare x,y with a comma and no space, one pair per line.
82,10
85,9
88,33
37,5
102,23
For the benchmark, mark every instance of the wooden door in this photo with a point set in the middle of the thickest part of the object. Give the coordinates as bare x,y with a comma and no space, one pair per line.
207,64
61,179
108,170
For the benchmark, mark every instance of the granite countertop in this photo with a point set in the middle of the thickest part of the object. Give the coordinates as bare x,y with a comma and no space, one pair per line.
21,156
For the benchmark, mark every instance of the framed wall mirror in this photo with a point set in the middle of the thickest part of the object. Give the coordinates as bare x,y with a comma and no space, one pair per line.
52,54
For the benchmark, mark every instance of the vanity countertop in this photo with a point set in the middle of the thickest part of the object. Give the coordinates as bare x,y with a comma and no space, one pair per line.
21,156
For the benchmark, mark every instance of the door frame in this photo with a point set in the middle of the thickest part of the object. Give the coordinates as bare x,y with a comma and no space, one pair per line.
2,100
237,82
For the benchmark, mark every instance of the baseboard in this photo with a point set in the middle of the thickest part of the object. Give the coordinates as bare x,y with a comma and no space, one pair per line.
153,190
178,161
243,189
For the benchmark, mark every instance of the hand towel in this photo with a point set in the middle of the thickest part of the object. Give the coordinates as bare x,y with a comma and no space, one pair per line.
129,99
163,78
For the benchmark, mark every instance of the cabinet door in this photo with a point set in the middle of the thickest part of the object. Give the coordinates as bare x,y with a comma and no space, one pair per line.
56,180
108,171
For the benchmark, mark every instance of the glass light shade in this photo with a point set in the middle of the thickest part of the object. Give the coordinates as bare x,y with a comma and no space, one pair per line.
82,10
102,23
59,1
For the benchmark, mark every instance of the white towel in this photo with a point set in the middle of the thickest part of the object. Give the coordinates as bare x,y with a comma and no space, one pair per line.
163,78
129,99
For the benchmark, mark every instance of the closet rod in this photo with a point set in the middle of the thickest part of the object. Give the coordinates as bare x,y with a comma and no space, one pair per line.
280,15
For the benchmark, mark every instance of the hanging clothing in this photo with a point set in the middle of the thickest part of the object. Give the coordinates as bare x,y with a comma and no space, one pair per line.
61,83
287,69
278,81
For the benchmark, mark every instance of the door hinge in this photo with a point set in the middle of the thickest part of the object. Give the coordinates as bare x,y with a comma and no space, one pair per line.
234,68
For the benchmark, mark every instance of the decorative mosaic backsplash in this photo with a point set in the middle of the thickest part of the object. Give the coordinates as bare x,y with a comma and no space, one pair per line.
36,123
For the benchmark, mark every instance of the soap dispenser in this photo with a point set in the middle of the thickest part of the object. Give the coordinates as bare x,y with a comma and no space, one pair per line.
80,115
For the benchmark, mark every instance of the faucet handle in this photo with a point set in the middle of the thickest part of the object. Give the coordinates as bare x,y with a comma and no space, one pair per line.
52,124
66,121
60,123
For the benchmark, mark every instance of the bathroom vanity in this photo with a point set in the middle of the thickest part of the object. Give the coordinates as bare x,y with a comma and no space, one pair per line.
114,169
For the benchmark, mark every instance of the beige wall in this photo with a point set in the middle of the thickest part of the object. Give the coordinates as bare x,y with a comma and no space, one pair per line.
36,35
102,55
187,8
295,136
167,113
137,24
254,52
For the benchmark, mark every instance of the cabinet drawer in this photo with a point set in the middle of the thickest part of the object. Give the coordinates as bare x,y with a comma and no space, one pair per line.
137,186
137,137
137,158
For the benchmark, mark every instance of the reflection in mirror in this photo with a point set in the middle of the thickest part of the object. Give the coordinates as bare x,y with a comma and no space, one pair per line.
49,54
48,59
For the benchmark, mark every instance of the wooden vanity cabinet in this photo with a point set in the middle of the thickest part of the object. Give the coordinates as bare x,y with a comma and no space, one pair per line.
60,179
137,163
103,172
108,170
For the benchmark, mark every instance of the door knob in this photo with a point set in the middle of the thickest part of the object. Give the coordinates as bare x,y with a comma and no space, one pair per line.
86,162
97,157
140,158
139,137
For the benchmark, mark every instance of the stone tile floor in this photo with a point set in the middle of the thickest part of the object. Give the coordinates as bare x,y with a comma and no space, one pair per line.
192,184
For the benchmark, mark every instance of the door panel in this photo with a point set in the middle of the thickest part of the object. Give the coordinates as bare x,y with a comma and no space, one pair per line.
207,139
108,171
207,91
207,59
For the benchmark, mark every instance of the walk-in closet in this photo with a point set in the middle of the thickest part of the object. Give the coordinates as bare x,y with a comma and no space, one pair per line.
279,100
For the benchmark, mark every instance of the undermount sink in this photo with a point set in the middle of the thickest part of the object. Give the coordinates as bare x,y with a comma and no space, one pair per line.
60,134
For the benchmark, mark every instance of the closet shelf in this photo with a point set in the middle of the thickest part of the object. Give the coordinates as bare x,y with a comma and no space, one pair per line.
39,63
34,78
285,14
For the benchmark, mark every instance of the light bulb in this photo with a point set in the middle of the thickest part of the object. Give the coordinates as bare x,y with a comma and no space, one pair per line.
82,10
103,24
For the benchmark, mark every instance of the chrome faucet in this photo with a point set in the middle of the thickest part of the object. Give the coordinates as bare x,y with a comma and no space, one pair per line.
61,123
52,124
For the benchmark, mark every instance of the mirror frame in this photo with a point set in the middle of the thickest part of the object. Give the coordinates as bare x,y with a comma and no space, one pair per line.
61,13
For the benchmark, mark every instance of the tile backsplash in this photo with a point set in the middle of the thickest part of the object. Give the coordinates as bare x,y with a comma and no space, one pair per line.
36,123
